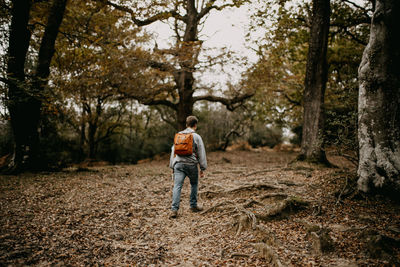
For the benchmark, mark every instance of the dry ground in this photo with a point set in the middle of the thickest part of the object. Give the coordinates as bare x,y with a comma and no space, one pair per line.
259,211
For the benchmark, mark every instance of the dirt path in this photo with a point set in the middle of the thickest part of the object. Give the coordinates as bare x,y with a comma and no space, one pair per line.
118,215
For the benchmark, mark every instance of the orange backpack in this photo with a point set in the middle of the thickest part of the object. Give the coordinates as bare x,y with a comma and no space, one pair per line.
183,144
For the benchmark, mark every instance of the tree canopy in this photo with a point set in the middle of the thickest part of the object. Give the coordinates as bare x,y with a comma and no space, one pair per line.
109,75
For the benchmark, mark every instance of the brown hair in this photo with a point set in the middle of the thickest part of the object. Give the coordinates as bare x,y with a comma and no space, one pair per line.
191,121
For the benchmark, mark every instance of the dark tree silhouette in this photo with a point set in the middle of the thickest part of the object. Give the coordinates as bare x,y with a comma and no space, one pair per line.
25,97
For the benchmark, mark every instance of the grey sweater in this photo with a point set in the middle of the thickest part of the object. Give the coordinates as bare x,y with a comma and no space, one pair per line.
198,157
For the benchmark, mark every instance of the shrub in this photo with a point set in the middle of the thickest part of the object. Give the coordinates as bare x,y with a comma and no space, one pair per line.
261,135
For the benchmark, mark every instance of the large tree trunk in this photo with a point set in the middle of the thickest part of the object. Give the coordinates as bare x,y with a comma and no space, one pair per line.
19,100
379,102
184,79
185,108
24,100
315,83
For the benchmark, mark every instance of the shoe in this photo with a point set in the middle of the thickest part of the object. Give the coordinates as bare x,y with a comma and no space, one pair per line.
196,209
173,214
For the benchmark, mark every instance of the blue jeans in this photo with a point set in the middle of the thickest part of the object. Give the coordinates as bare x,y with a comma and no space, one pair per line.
182,170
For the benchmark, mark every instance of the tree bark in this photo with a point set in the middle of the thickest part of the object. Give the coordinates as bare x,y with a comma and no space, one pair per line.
93,120
18,97
379,102
184,78
25,99
46,52
315,83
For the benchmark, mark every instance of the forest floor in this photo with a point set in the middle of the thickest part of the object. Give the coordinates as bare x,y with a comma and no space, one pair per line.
259,210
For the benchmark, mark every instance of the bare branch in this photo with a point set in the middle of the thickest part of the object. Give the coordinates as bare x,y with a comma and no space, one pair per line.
292,101
155,102
351,35
160,16
230,103
149,100
354,37
356,22
356,5
163,118
227,136
161,66
210,6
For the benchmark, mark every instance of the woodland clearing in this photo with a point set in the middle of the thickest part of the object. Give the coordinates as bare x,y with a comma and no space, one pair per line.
259,210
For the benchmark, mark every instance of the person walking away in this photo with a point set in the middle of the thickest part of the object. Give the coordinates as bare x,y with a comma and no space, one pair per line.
187,153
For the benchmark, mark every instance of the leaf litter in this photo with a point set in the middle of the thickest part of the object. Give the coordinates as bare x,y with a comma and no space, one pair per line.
259,210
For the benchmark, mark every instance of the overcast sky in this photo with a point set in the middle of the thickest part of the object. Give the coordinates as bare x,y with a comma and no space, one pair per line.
225,28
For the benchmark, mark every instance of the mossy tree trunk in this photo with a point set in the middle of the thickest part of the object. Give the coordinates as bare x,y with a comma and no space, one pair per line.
379,102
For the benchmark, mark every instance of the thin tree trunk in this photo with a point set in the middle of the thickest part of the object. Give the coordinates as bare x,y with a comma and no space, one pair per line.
379,102
82,135
46,52
93,128
315,83
92,140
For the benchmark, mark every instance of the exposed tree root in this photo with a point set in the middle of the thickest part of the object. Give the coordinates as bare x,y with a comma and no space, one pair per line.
349,189
251,187
251,203
261,171
283,209
269,254
245,220
264,235
254,187
288,183
279,196
321,242
210,194
215,207
240,255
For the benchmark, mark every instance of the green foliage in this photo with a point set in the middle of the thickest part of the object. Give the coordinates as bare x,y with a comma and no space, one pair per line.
279,73
102,59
